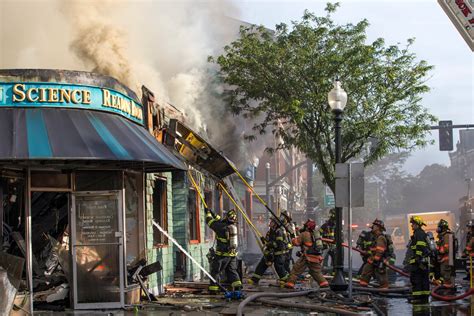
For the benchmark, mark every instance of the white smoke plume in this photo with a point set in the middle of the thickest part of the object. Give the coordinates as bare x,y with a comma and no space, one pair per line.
161,44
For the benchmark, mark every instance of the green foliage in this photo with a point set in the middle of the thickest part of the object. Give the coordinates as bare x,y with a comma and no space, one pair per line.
282,77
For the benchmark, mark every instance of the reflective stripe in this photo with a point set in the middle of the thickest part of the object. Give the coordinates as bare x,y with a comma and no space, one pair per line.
236,283
380,248
279,238
279,253
211,221
419,253
213,288
308,244
223,240
285,277
226,254
324,283
421,243
415,293
256,276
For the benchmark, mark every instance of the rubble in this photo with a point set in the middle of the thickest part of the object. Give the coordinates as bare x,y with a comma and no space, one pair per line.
7,293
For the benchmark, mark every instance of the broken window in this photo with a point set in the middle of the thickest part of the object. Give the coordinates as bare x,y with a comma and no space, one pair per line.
160,211
133,189
193,209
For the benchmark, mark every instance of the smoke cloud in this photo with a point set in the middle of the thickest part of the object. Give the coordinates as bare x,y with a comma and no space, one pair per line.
161,44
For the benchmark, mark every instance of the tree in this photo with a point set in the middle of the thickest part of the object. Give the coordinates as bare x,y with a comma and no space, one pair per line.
282,77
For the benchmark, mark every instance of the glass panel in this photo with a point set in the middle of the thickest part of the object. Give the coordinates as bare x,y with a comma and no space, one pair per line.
96,220
159,211
98,180
192,209
131,216
47,179
98,274
97,263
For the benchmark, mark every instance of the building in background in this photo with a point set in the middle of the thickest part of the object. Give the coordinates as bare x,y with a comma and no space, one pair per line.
462,160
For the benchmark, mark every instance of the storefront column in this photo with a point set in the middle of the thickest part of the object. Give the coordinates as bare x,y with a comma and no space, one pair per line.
29,253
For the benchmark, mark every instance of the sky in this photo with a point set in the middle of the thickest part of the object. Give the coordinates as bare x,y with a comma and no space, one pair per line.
437,41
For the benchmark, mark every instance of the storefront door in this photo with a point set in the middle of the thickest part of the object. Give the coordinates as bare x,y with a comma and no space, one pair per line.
97,249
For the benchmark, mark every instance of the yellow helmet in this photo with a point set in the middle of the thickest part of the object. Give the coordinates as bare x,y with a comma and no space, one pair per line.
417,220
231,216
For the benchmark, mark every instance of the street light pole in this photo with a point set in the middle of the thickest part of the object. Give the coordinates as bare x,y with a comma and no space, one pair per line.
337,99
267,185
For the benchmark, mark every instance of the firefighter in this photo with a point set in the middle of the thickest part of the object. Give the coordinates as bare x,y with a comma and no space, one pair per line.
225,258
275,250
290,233
378,250
444,249
364,243
310,257
327,231
469,250
419,262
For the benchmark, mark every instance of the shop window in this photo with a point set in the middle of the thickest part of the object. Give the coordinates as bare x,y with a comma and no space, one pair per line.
133,206
193,210
98,180
160,210
208,197
50,180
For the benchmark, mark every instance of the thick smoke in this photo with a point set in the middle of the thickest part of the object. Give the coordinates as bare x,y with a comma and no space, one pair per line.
161,44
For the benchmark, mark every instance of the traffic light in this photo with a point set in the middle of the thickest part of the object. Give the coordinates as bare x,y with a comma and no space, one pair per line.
445,135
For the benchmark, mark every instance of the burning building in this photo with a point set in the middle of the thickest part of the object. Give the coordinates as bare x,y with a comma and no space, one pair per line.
73,161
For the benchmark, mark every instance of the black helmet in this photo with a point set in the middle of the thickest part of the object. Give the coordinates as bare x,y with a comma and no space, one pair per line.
379,223
285,216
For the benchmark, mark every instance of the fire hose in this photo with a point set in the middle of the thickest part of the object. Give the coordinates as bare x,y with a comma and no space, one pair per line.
312,307
449,298
446,298
391,267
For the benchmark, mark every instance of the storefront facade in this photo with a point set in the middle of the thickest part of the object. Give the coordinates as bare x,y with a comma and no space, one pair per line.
73,166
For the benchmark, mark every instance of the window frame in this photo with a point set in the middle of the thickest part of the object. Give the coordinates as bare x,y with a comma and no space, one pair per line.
197,223
164,220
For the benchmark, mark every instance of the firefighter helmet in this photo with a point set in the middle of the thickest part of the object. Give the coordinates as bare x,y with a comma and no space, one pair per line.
417,220
231,216
310,224
273,222
443,224
285,216
379,223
